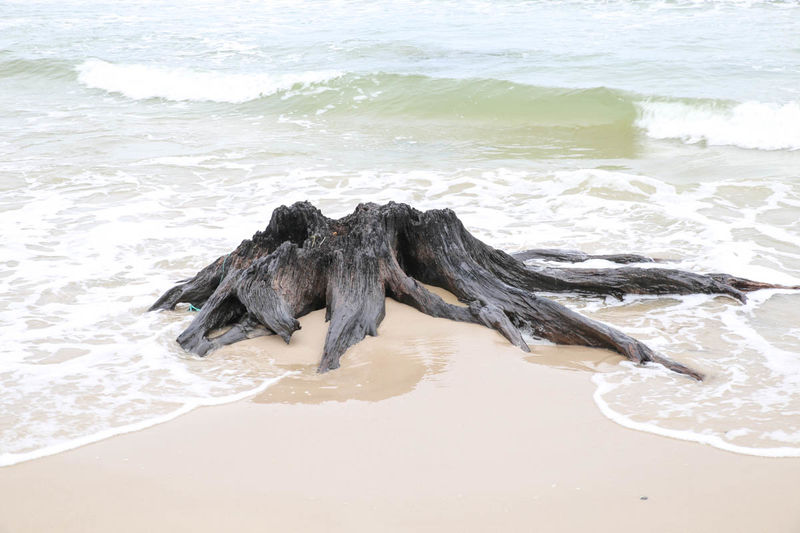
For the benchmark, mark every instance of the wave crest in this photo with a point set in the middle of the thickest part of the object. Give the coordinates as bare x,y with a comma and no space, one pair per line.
751,125
762,126
181,84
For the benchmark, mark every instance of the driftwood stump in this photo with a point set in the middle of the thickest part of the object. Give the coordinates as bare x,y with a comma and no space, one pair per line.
304,261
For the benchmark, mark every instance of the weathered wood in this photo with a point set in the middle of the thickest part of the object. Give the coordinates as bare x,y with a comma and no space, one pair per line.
304,261
576,256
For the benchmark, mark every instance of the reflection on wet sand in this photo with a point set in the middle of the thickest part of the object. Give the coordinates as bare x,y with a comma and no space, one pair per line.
375,369
410,347
574,358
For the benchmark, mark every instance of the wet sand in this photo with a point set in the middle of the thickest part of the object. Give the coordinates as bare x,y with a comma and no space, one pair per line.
431,426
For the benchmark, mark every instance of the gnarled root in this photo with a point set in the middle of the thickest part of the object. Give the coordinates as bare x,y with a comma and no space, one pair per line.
304,261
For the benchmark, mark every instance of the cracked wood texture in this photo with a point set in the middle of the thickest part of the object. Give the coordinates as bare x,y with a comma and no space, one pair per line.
304,261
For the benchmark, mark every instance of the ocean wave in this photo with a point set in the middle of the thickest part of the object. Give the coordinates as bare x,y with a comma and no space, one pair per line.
750,125
763,126
318,92
181,84
52,69
483,99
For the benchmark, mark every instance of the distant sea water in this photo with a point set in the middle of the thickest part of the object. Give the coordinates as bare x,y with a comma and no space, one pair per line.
140,140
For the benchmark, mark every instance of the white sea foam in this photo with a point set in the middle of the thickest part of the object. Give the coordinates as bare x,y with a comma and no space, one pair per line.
715,440
139,81
81,360
763,126
12,458
751,381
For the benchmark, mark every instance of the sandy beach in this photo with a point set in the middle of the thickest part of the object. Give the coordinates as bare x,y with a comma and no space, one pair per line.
474,436
145,143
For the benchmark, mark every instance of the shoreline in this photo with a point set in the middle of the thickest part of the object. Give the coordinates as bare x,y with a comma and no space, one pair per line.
431,426
689,436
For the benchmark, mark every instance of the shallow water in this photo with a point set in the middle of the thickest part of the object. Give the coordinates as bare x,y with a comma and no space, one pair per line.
140,141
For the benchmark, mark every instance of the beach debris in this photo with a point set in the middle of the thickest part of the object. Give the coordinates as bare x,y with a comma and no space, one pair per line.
304,261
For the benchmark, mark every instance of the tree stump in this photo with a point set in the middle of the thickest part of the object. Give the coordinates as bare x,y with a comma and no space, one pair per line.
304,261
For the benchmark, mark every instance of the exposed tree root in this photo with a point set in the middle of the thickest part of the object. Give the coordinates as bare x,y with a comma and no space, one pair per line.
304,261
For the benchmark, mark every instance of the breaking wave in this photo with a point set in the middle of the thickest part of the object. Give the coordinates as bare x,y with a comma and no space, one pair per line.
180,84
501,103
763,126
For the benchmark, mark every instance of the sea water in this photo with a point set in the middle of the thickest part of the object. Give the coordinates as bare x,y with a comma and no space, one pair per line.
141,140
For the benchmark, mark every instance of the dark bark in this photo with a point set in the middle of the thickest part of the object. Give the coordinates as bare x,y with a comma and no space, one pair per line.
304,261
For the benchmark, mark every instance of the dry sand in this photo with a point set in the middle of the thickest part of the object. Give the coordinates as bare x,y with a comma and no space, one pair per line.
432,426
